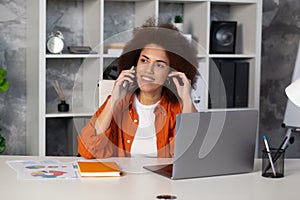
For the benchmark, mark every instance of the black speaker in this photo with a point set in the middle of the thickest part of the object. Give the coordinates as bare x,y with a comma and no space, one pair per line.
222,37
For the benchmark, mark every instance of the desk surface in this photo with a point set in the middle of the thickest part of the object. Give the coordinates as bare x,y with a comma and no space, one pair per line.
143,185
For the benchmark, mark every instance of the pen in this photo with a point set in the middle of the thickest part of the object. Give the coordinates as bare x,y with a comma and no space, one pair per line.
269,154
286,140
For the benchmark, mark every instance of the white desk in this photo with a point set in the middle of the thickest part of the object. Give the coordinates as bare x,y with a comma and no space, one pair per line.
143,185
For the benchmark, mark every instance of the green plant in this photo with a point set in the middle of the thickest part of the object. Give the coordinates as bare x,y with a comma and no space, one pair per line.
3,88
2,143
178,19
3,81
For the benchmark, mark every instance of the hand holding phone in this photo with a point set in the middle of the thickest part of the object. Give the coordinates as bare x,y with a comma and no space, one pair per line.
184,88
179,80
182,83
129,83
176,77
123,84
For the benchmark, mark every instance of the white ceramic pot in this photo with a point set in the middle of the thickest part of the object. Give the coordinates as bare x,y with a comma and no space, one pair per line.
179,26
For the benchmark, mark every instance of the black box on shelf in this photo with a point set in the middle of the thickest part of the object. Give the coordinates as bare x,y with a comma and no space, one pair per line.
222,37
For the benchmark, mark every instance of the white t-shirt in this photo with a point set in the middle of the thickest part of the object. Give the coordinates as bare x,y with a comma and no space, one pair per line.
144,142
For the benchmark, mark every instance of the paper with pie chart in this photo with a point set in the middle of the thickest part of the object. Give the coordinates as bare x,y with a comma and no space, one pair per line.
45,169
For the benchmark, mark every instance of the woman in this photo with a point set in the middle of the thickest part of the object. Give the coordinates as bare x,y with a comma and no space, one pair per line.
156,72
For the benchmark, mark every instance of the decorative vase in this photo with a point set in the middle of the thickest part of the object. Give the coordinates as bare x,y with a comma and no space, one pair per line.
63,106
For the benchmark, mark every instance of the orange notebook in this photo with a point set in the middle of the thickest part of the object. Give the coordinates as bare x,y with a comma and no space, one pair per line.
89,169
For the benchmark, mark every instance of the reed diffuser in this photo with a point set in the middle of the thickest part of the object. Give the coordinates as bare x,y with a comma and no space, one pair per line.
62,106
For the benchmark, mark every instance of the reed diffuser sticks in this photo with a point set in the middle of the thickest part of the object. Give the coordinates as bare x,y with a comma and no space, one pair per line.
63,106
58,91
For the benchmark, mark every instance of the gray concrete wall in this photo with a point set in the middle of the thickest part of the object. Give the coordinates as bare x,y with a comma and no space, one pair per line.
280,39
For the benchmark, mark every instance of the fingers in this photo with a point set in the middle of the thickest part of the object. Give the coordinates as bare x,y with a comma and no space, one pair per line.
128,73
126,76
123,81
179,78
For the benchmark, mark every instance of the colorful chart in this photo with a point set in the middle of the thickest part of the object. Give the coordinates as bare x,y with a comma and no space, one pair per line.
47,174
35,167
49,169
52,166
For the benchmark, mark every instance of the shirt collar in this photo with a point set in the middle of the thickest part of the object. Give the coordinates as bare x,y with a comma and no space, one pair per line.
160,107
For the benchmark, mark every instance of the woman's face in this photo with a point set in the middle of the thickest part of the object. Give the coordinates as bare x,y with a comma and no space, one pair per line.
152,68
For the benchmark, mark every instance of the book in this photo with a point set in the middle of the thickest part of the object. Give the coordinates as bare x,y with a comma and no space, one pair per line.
228,84
221,84
214,84
80,50
98,169
228,78
241,84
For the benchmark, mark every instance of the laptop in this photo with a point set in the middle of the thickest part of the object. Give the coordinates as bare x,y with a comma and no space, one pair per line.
211,143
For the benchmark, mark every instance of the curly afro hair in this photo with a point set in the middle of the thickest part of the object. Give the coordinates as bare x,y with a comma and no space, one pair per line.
181,53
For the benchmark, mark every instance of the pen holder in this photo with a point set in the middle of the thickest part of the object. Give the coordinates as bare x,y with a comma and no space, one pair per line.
277,155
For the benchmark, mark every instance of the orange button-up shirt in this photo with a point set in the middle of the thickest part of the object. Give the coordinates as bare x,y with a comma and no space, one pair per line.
118,138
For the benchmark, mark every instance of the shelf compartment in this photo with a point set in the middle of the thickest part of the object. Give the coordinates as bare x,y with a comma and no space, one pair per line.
78,80
245,14
75,19
61,135
135,13
226,75
195,20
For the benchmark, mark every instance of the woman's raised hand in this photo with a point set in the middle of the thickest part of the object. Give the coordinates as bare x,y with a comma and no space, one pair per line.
122,83
184,88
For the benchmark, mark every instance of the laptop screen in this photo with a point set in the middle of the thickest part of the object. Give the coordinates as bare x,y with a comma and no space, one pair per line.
211,143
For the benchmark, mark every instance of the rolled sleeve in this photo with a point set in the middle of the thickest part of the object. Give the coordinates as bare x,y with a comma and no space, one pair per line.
91,145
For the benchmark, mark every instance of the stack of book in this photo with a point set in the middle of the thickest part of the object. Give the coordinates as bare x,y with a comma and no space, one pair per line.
228,84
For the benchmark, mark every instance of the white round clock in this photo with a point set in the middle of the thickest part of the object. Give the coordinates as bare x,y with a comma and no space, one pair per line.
55,42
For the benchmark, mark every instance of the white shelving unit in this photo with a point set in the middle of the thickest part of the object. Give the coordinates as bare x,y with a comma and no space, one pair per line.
197,15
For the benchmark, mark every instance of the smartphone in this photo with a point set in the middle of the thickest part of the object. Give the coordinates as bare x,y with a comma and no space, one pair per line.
126,85
180,81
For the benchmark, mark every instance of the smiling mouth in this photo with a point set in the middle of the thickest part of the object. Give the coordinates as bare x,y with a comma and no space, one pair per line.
147,79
